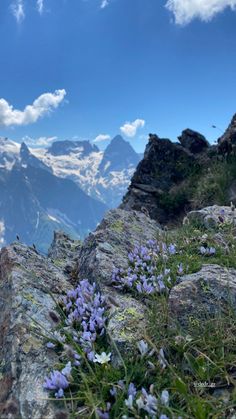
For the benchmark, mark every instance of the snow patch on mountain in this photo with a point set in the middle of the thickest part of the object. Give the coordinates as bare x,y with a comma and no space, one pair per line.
9,152
89,173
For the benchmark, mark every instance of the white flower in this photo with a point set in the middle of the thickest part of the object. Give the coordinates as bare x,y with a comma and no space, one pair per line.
165,398
103,358
143,347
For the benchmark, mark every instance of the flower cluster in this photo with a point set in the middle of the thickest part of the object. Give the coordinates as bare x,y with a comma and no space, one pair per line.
138,401
207,251
58,380
147,272
85,311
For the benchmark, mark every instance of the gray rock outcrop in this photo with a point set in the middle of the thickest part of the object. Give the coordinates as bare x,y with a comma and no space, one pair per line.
63,252
26,281
106,249
202,295
211,217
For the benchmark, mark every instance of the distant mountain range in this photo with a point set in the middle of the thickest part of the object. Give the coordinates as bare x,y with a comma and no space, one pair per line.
68,186
103,175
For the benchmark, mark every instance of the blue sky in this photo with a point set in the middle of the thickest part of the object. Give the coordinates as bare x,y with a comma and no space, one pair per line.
160,69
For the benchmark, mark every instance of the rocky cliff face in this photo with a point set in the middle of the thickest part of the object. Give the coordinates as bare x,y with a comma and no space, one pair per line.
227,142
174,178
164,166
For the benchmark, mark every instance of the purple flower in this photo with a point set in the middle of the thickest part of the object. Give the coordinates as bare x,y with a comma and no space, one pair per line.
161,285
207,251
113,391
172,249
59,393
51,345
91,355
85,310
212,251
56,381
202,250
132,390
102,414
121,384
150,404
141,275
67,370
129,402
147,402
180,269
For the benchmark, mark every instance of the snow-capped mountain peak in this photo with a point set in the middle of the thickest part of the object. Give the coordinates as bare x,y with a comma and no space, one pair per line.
9,152
104,175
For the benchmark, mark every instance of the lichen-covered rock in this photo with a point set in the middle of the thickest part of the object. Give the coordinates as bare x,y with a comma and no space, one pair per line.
64,252
26,281
210,217
108,246
127,319
202,295
106,249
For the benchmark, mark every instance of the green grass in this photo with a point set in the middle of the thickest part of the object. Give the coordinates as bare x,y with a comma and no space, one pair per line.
207,184
204,354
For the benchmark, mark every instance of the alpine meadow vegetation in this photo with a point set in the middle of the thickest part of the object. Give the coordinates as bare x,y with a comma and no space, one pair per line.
172,372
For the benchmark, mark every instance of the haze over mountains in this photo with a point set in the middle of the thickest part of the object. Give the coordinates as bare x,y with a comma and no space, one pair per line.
68,186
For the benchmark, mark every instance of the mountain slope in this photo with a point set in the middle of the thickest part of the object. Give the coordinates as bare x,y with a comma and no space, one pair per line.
34,203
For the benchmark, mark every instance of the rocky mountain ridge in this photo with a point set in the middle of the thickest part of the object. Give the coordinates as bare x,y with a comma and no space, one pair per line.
34,203
174,178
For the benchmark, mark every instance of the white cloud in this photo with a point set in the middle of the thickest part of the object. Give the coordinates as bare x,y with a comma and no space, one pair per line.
18,10
40,6
186,10
101,137
130,128
38,142
104,3
43,105
2,232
